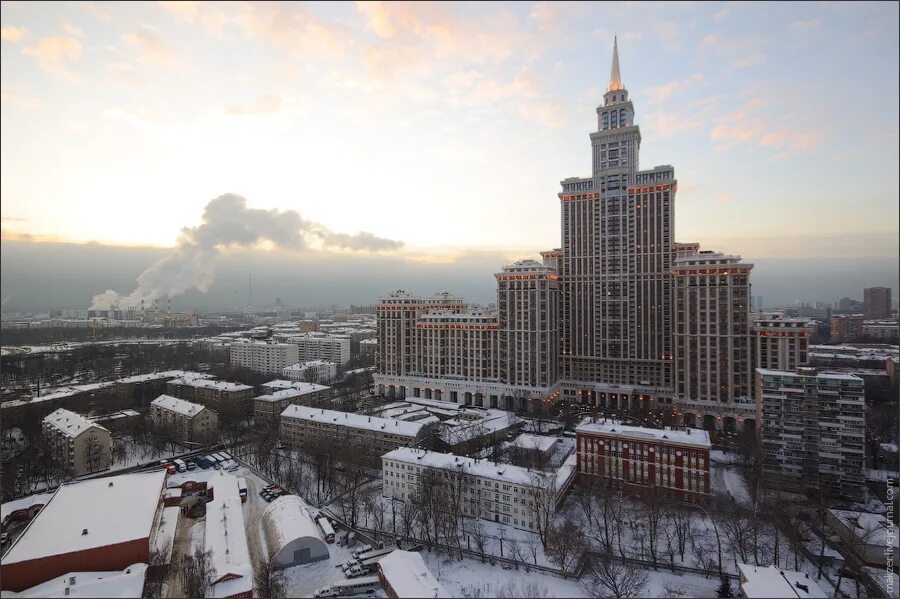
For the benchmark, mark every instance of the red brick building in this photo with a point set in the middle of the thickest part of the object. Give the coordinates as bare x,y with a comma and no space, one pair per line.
639,460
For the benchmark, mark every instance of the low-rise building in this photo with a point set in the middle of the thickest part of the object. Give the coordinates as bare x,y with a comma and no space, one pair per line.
186,422
871,538
404,575
812,427
267,358
497,492
314,371
641,460
301,426
226,540
219,396
757,582
267,408
79,445
884,330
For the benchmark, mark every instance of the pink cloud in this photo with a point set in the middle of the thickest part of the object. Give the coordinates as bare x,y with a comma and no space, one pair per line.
56,55
151,46
12,33
658,94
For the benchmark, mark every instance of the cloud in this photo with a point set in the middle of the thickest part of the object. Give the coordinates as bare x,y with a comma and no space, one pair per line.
807,25
17,96
94,10
750,60
71,29
125,71
724,198
12,33
265,104
722,15
151,46
56,55
657,94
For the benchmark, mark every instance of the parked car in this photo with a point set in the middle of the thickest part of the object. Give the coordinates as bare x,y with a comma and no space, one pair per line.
361,549
357,571
4,538
350,563
327,592
191,465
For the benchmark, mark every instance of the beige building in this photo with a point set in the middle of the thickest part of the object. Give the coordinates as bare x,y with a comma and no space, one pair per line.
218,396
268,408
77,444
187,422
317,371
302,426
267,358
780,343
711,339
847,328
877,301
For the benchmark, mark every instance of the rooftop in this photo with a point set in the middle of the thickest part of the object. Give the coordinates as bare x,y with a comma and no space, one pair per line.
472,466
177,405
91,513
69,423
226,540
530,442
692,436
126,583
283,394
208,384
408,575
773,582
358,421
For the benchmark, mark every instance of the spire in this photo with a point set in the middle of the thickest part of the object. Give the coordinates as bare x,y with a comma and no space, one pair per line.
615,79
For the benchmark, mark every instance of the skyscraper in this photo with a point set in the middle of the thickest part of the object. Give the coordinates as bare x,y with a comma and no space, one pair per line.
617,236
878,302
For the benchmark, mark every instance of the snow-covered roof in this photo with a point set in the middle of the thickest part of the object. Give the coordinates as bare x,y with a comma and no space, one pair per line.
694,436
125,583
286,519
357,421
870,528
434,403
163,538
70,423
408,576
471,466
225,538
309,364
173,404
813,373
529,442
772,582
208,384
297,389
22,504
112,510
167,374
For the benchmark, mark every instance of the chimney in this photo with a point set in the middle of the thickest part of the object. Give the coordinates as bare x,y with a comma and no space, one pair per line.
71,580
110,483
66,592
83,532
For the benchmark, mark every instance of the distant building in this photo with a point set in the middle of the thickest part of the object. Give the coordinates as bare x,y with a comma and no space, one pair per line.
846,328
638,459
877,302
368,348
79,445
267,358
758,582
267,408
317,346
812,426
219,396
888,331
187,422
302,426
315,371
780,343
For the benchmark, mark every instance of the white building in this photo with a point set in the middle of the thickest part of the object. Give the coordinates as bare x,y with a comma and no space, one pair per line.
226,540
267,358
404,575
291,533
320,371
187,422
78,444
757,582
497,492
318,346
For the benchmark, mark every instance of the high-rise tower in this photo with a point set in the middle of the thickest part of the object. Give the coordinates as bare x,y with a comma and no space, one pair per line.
617,235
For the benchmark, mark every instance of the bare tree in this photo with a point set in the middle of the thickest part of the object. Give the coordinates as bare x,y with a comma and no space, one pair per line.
269,580
541,496
525,590
565,545
609,578
196,573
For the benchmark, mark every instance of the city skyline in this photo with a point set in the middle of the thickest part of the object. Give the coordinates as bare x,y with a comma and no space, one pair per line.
503,110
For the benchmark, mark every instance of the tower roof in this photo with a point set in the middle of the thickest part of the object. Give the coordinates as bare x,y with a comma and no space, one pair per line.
615,78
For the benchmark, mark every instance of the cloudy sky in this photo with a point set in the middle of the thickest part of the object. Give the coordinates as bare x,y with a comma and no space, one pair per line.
448,126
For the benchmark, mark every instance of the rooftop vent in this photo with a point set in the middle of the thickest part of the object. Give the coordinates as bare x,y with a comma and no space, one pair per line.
83,532
71,580
110,483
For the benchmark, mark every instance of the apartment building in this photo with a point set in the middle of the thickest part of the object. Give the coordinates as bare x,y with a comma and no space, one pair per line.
219,396
267,408
186,422
847,328
877,302
711,338
78,445
812,426
496,492
780,343
267,358
641,460
303,426
319,346
319,371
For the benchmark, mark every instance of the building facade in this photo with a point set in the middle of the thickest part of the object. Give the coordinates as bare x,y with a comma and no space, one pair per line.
644,460
219,396
267,408
497,492
267,358
711,339
847,328
780,343
316,371
877,301
812,428
79,445
319,346
186,422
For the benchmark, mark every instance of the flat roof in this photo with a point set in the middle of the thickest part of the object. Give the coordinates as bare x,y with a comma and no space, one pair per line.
226,539
770,581
528,441
693,436
70,423
408,575
178,405
472,466
208,384
113,510
357,421
118,583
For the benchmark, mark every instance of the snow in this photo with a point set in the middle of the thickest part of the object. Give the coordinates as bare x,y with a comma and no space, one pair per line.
471,466
69,423
180,406
283,394
772,582
693,437
289,518
164,538
210,384
875,528
357,421
226,539
409,576
24,503
127,583
198,475
116,509
168,374
530,442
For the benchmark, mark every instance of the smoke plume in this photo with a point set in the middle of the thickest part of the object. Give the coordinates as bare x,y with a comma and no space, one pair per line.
228,222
